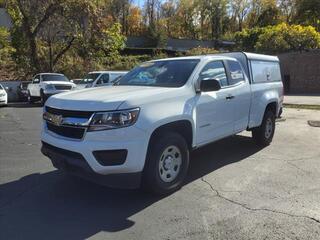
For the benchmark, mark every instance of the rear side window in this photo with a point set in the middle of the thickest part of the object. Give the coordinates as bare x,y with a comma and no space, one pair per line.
214,70
236,73
263,71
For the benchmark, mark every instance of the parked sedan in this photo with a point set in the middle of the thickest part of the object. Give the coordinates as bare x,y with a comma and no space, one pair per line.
22,91
3,96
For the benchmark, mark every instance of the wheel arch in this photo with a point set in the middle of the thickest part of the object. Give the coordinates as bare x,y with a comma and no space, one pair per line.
182,127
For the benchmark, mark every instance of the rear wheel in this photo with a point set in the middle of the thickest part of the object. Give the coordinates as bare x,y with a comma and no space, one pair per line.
263,135
166,164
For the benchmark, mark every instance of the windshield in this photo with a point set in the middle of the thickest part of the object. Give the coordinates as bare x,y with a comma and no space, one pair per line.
170,73
52,77
89,78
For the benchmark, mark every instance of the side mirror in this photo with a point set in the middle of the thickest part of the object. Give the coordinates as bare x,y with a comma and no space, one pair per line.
210,85
71,81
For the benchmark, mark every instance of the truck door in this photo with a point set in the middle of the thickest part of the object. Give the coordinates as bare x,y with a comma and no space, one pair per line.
214,110
242,95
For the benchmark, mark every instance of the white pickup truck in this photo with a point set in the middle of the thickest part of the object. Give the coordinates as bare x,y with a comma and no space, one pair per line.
140,132
44,85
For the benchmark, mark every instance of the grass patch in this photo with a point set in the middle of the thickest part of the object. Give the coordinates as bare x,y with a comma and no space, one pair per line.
302,106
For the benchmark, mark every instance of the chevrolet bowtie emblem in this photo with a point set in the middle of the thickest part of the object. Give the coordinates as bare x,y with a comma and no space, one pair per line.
53,118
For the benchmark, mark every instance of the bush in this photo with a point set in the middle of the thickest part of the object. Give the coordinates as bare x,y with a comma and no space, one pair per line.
284,37
278,38
201,51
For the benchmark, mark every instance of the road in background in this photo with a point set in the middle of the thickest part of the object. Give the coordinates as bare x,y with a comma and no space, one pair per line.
234,190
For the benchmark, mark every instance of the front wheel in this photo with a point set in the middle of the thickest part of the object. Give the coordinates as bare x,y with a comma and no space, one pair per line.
166,164
43,98
30,98
263,135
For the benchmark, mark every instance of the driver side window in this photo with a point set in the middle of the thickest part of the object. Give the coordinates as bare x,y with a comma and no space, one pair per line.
214,70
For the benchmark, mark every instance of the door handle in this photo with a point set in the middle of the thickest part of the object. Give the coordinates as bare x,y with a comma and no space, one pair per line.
229,97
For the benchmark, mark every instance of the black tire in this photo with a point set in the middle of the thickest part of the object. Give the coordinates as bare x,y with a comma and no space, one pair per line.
30,98
152,181
263,135
43,98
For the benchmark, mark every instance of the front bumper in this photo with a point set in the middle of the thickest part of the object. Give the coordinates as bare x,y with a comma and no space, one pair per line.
3,100
76,164
53,92
131,139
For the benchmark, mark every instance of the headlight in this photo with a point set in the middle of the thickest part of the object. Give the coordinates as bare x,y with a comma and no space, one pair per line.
2,94
49,87
112,120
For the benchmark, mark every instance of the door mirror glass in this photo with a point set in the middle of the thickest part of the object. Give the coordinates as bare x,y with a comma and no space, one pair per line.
36,80
210,85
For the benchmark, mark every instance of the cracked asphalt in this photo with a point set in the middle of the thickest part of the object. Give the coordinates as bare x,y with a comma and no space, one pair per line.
234,190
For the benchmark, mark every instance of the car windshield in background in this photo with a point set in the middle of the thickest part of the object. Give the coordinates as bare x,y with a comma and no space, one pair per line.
52,77
170,73
89,78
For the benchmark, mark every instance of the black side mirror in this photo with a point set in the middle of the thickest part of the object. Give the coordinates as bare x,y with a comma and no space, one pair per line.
210,85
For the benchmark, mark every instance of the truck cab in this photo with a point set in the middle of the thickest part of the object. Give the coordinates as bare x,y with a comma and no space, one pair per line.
140,131
99,79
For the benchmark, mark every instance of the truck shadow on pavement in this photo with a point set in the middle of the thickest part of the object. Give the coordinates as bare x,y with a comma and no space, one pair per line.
56,206
24,105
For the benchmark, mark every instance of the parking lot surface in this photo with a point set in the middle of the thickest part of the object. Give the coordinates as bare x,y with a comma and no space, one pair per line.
234,190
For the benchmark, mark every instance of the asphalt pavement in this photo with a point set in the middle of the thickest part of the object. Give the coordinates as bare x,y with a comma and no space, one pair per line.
234,190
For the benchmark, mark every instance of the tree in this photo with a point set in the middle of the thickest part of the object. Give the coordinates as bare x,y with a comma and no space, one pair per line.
28,21
6,64
270,15
308,12
135,22
240,9
216,10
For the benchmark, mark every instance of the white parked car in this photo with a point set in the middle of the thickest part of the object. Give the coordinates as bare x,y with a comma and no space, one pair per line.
3,96
141,131
44,85
99,79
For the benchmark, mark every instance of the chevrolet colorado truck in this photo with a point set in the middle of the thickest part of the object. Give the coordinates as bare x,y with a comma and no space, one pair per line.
44,85
141,131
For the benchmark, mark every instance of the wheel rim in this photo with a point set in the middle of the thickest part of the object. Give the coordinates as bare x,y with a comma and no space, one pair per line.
170,164
269,128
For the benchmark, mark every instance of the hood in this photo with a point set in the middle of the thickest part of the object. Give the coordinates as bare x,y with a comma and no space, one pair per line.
59,83
106,98
80,86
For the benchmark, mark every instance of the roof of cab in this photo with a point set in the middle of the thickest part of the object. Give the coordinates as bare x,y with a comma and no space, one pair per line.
199,57
52,74
229,55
